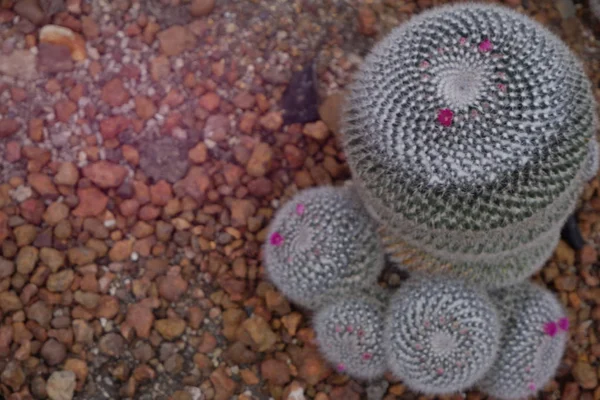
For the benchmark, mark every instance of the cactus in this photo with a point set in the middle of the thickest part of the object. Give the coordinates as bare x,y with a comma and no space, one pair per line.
441,335
534,334
349,333
322,242
466,133
592,162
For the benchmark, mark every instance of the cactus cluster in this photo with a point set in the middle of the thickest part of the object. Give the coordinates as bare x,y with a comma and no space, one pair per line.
534,334
350,335
322,242
441,335
470,135
477,120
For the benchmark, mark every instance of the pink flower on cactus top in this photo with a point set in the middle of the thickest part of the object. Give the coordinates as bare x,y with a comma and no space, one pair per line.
550,328
485,46
276,239
563,323
445,117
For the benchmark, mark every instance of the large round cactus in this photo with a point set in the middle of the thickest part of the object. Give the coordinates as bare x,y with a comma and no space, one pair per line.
322,242
349,333
534,333
466,131
441,335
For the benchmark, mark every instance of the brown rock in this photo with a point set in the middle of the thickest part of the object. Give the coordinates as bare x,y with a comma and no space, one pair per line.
53,258
88,300
566,283
144,107
121,250
8,127
241,210
81,255
42,184
224,386
170,328
25,234
112,344
217,128
40,313
53,352
30,10
571,391
61,385
175,40
92,202
59,35
209,101
201,8
588,255
60,281
105,174
4,229
276,302
232,319
585,375
198,153
64,109
108,307
260,160
161,193
111,127
260,187
67,174
141,319
7,268
564,253
316,130
54,58
367,21
13,375
55,213
78,367
331,110
275,371
262,338
160,68
9,301
271,121
114,93
82,331
172,287
143,373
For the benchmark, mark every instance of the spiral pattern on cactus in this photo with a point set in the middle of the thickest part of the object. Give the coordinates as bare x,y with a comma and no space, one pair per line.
349,333
534,334
441,335
322,242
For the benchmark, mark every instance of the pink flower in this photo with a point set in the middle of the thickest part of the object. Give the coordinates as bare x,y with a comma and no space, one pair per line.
300,209
445,117
440,371
532,387
550,328
502,87
341,367
463,40
367,356
276,239
563,323
485,46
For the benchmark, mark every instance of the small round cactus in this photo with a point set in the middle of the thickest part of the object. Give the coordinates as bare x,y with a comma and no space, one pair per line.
466,133
534,334
349,333
322,242
441,335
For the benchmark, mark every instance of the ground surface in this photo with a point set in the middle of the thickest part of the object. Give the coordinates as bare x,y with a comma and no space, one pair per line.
137,182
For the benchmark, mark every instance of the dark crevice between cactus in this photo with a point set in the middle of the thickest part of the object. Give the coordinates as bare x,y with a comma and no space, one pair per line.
571,234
